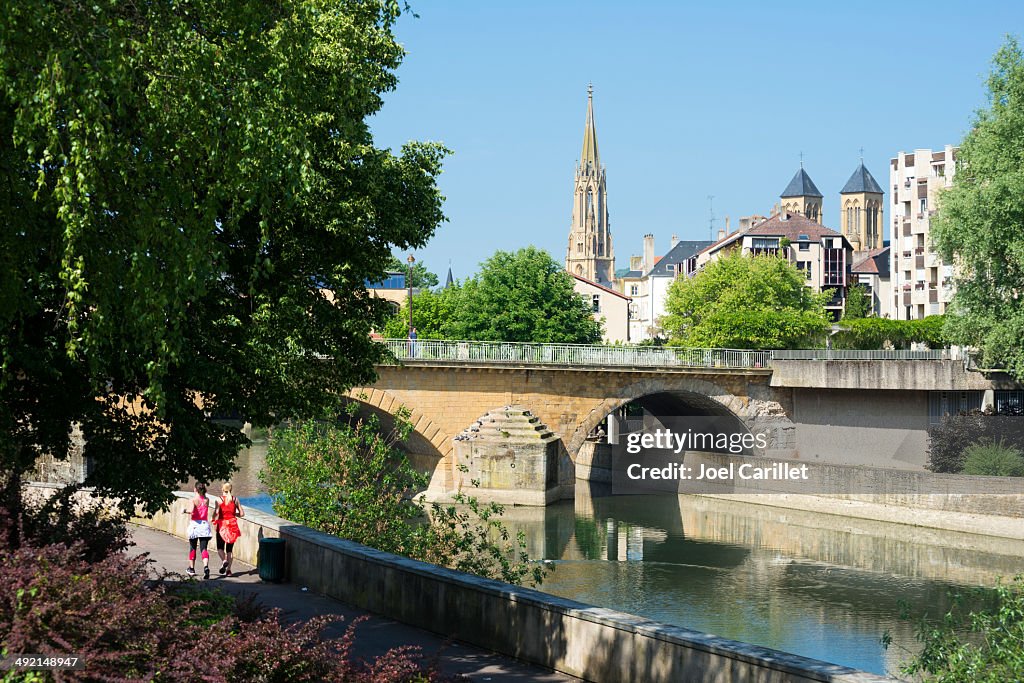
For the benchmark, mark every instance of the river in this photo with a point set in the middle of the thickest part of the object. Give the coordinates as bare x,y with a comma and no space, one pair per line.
821,586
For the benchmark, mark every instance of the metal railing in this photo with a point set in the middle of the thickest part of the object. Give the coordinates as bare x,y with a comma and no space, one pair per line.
574,354
851,354
632,356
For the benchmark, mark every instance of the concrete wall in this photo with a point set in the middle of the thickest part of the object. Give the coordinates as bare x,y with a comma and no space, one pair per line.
918,375
869,427
578,639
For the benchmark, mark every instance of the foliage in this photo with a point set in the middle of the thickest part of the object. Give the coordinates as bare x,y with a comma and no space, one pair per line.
993,459
524,296
127,628
434,315
351,481
94,530
746,302
980,221
858,303
178,185
421,277
982,644
879,333
950,440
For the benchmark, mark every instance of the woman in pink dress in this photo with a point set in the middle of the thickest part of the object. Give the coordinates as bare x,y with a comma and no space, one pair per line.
226,521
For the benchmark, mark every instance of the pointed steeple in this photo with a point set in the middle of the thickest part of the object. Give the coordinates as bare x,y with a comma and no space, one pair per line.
449,281
589,153
589,254
861,181
861,209
801,186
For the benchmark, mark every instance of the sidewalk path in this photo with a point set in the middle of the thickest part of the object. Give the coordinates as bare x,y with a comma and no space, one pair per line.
373,637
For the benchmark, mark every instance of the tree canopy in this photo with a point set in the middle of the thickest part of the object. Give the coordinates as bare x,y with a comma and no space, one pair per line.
746,302
524,296
980,222
179,182
858,303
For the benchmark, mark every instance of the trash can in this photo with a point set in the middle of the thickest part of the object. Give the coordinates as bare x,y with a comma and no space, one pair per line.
271,559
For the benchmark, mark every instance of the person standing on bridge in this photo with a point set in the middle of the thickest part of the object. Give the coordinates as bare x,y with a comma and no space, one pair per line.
412,342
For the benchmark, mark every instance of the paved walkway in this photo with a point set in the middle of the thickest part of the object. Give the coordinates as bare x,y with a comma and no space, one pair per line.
373,637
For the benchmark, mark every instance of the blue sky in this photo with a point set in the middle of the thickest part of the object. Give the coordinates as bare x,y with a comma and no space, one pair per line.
690,100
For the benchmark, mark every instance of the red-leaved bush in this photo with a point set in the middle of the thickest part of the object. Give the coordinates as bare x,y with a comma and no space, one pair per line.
125,627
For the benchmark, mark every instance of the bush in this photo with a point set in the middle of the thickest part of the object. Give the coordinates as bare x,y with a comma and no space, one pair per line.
127,628
93,529
349,480
878,333
949,440
981,639
994,460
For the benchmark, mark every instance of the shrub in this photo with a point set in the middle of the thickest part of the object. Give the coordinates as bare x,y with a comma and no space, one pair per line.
127,628
877,333
949,440
349,480
981,639
993,459
95,530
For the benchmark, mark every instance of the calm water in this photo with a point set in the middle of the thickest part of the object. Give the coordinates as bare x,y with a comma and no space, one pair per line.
816,585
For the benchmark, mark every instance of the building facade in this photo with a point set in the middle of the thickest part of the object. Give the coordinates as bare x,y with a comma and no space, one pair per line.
922,283
872,272
589,254
822,254
610,308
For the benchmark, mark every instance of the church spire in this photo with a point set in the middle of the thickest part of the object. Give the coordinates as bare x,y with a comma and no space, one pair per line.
589,154
589,254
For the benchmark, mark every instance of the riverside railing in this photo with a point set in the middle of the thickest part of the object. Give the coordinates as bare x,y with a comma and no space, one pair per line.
574,354
855,354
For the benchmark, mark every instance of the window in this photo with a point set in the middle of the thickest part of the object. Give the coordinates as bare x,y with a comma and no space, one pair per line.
805,243
806,267
764,245
634,290
924,205
596,303
579,247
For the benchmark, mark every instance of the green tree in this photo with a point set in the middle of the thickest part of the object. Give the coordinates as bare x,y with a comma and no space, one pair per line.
858,303
980,222
179,183
746,302
524,296
350,480
421,277
434,315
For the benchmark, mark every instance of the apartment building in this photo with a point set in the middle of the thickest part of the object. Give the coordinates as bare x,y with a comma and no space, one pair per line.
824,255
922,283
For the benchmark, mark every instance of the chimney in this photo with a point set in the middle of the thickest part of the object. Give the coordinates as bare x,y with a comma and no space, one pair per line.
721,233
675,241
726,225
648,251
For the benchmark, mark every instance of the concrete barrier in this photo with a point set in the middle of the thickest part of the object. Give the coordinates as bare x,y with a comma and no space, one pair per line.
581,640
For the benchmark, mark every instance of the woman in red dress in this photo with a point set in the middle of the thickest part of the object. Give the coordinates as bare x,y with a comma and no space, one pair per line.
226,521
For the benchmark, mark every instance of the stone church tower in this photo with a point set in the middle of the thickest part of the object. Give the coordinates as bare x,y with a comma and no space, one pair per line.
802,196
590,252
861,210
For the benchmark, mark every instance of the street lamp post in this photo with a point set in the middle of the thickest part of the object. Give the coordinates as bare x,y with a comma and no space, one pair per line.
411,260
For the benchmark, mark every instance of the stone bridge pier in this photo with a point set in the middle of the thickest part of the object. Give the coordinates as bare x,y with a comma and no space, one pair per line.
446,400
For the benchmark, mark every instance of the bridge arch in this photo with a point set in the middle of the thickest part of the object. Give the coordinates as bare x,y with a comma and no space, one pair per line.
687,394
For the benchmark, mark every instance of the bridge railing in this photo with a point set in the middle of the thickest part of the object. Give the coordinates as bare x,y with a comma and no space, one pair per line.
873,354
575,354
